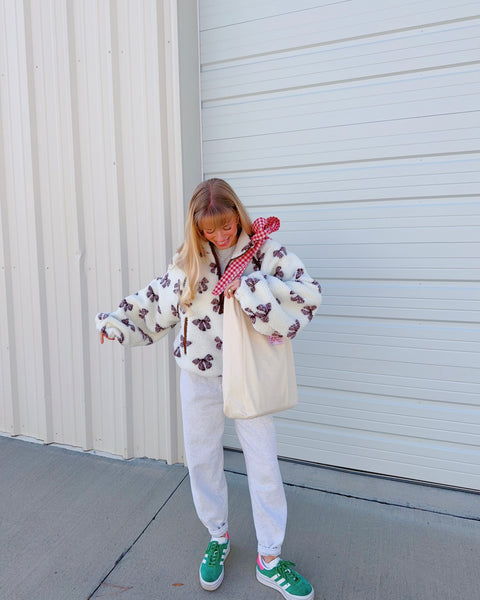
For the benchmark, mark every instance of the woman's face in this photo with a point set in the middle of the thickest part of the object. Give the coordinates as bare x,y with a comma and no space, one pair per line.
223,235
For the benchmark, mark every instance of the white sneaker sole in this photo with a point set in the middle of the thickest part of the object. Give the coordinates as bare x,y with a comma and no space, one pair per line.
268,582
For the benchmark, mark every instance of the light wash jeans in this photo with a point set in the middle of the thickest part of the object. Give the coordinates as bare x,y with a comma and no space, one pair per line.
203,426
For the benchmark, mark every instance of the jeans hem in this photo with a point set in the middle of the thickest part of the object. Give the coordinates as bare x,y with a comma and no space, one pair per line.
219,531
269,550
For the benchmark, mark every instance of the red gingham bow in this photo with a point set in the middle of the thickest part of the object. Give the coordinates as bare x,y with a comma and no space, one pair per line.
261,230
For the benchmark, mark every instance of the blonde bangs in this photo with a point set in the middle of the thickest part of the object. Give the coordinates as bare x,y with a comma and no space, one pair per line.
214,217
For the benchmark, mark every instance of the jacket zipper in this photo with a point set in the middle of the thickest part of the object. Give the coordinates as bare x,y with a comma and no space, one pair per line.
217,262
221,298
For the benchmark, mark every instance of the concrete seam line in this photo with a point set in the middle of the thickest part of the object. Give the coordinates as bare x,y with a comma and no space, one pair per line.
125,552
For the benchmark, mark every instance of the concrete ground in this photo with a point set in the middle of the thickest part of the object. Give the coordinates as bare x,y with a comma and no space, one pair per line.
75,526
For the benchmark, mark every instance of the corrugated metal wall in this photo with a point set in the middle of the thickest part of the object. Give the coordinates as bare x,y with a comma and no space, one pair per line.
357,123
91,208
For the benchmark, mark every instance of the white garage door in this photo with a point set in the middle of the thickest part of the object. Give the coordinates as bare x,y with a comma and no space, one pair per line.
357,123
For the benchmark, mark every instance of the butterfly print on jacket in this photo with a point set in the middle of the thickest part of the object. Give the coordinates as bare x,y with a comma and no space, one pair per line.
296,298
204,363
151,295
128,324
257,260
125,305
203,324
252,282
203,285
293,329
280,253
262,313
164,281
216,303
145,337
299,273
308,310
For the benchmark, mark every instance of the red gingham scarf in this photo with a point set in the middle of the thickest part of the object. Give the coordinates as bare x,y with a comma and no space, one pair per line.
261,230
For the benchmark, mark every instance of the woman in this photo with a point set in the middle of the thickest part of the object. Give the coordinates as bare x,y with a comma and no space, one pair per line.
279,296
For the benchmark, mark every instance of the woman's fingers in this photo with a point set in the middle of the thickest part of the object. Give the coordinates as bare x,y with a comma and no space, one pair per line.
103,335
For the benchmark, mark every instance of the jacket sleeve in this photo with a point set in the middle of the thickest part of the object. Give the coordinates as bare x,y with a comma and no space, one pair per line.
145,317
280,297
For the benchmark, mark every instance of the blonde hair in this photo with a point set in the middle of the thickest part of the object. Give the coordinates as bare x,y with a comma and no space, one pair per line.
214,200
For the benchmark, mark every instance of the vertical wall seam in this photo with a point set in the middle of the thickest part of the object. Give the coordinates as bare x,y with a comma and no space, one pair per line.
37,201
81,250
167,237
127,417
199,65
164,46
9,308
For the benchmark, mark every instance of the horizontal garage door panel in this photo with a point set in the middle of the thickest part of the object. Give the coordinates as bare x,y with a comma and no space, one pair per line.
211,17
394,99
392,55
423,302
326,23
412,391
414,458
390,415
358,125
437,241
408,180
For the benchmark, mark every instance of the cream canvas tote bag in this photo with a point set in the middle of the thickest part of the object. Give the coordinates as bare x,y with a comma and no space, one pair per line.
258,376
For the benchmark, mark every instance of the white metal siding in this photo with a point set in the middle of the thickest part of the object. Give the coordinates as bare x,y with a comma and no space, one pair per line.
357,123
91,209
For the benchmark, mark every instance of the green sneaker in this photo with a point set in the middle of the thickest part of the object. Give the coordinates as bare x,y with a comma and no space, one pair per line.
211,569
285,579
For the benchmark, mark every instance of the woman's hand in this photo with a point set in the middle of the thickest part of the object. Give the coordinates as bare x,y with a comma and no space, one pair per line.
232,288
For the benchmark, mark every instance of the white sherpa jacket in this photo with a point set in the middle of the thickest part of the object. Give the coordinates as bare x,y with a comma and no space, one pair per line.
276,293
